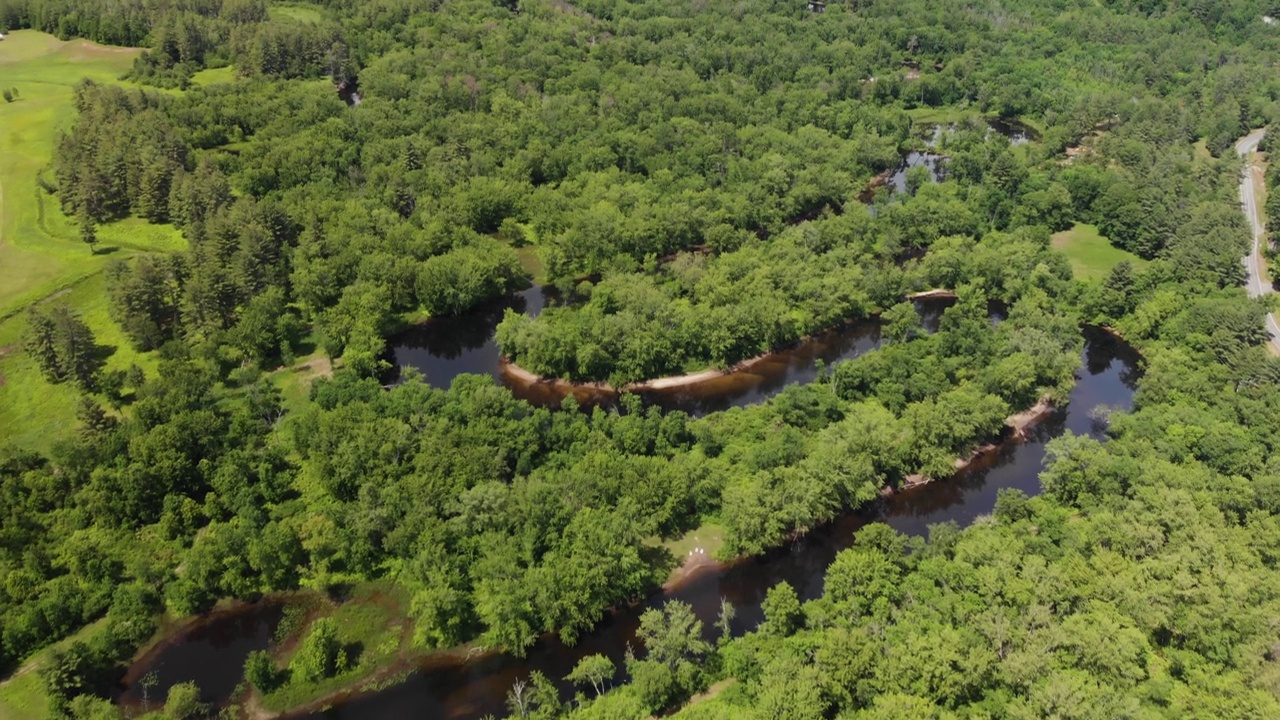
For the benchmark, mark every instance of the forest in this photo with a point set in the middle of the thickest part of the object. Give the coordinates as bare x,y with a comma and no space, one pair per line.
696,185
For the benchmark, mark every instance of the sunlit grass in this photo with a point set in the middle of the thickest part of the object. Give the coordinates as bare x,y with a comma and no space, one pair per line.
40,253
1091,255
213,76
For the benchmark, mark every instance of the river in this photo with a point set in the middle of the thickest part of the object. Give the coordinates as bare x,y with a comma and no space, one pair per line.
442,349
447,688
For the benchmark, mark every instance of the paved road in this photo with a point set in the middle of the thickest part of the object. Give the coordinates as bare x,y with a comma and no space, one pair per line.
1255,285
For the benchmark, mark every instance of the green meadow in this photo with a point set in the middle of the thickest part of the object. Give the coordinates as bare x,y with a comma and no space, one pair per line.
1091,255
41,256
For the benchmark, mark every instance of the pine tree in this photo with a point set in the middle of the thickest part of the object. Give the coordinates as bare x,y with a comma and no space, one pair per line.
88,231
94,421
62,345
75,347
39,344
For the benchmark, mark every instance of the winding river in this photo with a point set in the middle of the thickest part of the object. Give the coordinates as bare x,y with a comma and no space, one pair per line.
449,686
211,650
444,687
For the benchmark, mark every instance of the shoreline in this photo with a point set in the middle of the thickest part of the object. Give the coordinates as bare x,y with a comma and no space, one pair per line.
514,371
934,294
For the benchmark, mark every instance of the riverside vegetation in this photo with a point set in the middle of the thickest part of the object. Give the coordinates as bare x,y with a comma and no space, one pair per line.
690,175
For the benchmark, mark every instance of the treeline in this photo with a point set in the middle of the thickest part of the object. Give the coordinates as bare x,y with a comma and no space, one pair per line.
185,36
112,22
241,34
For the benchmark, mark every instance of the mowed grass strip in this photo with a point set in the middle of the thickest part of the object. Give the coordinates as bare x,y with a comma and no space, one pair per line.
1091,255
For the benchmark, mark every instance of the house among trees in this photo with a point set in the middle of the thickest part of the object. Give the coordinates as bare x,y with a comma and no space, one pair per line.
817,6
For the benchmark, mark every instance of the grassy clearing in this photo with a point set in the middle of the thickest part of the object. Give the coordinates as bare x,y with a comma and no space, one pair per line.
294,382
213,76
532,264
300,11
709,537
41,256
39,251
704,705
1091,255
693,549
22,695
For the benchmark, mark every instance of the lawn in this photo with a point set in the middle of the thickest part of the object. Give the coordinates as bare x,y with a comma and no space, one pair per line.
41,255
1091,255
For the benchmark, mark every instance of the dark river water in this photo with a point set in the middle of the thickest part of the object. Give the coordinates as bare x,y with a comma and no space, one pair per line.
211,651
444,348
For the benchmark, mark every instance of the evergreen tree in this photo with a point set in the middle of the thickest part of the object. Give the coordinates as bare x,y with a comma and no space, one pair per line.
41,345
62,345
88,229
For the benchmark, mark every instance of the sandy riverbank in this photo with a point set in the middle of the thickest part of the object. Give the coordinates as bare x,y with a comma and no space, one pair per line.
515,372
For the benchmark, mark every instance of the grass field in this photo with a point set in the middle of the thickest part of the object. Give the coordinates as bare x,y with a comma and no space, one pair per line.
300,11
213,76
1091,255
41,256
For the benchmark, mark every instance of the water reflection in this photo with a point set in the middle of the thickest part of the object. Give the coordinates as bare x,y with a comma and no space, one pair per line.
211,651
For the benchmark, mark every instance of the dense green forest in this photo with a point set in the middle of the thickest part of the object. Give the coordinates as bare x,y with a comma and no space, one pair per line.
689,176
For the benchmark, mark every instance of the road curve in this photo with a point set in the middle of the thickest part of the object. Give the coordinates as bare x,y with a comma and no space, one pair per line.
1255,285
